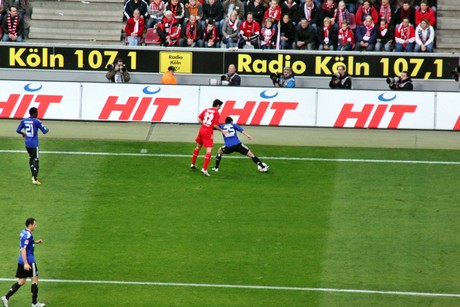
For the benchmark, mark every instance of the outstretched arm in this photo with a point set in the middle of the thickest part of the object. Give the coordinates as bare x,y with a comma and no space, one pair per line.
246,134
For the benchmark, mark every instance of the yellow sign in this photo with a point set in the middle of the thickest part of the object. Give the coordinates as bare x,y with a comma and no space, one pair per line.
182,61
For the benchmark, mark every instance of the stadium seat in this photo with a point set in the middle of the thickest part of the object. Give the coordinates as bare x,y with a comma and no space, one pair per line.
152,37
352,21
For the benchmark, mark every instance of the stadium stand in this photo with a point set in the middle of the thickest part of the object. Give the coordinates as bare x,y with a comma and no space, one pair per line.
97,21
448,26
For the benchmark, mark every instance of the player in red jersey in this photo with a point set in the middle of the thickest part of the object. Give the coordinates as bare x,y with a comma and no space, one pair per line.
209,120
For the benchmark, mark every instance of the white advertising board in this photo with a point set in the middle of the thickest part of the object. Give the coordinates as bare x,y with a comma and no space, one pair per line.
54,99
448,111
375,109
262,106
136,102
248,106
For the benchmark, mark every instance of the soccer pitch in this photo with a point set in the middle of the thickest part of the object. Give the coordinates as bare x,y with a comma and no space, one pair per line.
324,227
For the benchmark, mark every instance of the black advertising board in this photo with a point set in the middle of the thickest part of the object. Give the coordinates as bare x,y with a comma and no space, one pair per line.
202,61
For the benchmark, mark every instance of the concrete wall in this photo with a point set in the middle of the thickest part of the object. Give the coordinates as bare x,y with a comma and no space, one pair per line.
197,79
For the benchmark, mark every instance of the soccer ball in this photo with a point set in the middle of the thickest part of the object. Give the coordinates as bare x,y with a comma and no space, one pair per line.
263,169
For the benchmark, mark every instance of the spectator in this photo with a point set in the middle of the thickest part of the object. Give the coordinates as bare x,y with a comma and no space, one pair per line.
346,41
257,8
403,83
287,33
351,6
169,30
177,9
2,11
232,77
424,37
404,11
231,30
155,10
328,8
24,9
168,77
117,72
340,14
273,12
268,35
431,4
12,26
364,10
192,33
210,37
134,29
234,5
305,36
214,10
404,37
132,5
385,37
290,7
425,12
385,11
311,12
249,32
194,7
327,36
287,79
341,79
366,35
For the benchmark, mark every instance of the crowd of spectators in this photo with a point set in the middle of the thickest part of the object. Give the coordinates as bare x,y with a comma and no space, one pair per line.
361,25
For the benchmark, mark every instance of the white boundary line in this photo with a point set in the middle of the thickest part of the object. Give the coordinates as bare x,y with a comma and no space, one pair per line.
175,284
93,153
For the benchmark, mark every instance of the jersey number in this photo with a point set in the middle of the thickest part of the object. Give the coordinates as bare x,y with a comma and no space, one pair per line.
29,130
208,118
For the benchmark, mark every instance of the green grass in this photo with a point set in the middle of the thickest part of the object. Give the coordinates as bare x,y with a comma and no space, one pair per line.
321,224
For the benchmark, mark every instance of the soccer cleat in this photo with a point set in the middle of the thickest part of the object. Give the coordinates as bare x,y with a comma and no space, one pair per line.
39,304
215,169
205,172
36,182
4,301
192,166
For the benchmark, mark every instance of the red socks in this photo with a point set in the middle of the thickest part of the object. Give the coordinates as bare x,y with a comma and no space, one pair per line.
207,159
195,155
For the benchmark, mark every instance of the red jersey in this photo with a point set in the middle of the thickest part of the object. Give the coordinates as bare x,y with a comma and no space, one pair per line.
209,117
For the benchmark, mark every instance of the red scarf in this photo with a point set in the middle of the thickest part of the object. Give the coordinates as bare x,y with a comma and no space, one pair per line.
12,24
385,13
344,35
173,9
326,31
369,29
338,15
308,11
211,34
404,32
190,31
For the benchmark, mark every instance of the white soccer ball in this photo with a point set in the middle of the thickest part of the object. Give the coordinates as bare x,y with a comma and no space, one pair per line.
262,169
